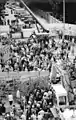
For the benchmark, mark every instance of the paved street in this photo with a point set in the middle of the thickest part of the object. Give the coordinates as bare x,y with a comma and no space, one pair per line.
8,108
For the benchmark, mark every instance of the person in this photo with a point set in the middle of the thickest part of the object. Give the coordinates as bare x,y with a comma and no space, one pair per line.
33,116
74,91
40,116
23,117
11,112
10,99
22,106
18,95
14,109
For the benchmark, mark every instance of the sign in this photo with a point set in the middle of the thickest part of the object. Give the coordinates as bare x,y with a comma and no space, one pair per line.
6,52
27,32
4,29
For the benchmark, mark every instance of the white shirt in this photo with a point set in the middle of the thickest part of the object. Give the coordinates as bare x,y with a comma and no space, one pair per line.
10,97
23,117
41,112
18,94
40,117
33,117
74,90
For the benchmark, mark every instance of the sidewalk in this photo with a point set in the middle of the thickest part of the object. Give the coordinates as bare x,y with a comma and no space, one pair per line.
8,108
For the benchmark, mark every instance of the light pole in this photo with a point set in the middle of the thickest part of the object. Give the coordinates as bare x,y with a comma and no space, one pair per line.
63,19
63,11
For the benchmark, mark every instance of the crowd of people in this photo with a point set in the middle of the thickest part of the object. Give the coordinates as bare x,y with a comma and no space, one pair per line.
33,55
38,53
37,106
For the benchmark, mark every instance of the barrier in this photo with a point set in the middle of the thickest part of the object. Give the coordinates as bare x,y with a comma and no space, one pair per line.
22,75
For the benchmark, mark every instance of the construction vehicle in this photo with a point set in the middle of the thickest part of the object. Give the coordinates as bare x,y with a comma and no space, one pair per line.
61,95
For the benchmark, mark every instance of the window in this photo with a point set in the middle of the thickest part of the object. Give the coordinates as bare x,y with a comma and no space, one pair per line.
62,100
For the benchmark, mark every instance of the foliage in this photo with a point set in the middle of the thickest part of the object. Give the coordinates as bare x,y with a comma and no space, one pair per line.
28,86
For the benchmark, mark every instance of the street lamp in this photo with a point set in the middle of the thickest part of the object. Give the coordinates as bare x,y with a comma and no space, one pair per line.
63,11
63,19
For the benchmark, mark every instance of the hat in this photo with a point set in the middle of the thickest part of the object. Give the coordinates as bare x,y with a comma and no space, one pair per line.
29,102
45,94
49,93
7,115
38,105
